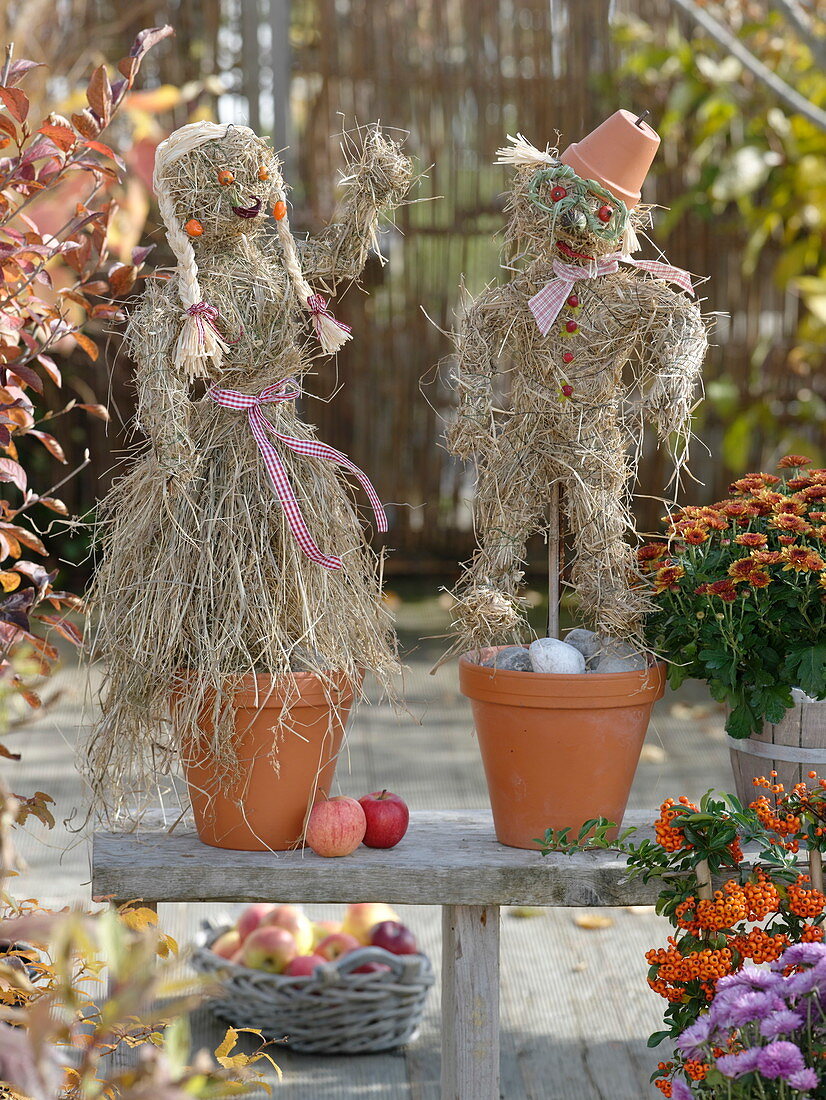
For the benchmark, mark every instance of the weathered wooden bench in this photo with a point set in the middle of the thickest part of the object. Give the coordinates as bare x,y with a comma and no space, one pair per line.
448,858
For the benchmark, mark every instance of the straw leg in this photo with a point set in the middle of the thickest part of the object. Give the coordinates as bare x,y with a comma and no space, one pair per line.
470,1002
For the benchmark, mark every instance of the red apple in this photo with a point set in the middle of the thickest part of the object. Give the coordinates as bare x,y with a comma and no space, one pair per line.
251,918
364,915
294,921
394,937
371,968
387,819
333,947
227,943
336,827
271,949
304,965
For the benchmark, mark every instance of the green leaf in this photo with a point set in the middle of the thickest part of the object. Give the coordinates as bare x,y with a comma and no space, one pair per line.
811,671
657,1037
740,722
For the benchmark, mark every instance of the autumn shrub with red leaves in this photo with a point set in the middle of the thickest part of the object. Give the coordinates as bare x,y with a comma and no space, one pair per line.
52,284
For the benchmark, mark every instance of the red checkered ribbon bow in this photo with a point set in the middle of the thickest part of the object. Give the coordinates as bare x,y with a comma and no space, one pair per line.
546,303
318,308
260,427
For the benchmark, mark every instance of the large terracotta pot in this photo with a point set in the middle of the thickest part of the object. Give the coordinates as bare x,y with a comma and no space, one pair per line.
287,743
558,749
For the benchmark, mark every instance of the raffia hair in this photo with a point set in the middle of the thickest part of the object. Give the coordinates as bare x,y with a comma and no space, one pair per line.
199,343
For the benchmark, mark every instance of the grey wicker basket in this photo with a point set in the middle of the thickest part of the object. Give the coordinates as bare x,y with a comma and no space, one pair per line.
334,1011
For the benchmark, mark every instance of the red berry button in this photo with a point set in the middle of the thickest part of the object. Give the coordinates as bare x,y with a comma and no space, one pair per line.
567,357
573,301
558,193
568,391
571,326
605,213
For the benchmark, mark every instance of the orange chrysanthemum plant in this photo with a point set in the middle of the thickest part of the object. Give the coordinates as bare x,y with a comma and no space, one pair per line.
740,588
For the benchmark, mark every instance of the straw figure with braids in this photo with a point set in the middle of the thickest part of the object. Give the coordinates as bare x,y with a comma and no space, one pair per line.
233,544
592,344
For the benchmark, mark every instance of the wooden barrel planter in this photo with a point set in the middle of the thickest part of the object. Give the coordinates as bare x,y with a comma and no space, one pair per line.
792,748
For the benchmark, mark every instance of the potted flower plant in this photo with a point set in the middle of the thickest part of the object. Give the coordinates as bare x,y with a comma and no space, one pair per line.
740,589
593,342
237,601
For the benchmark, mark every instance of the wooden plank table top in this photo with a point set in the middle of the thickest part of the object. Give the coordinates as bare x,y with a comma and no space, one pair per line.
448,857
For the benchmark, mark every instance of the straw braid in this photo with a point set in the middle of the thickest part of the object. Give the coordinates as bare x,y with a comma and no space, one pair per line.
198,345
331,333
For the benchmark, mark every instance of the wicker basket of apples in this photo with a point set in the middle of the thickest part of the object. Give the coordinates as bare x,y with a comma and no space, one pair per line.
352,987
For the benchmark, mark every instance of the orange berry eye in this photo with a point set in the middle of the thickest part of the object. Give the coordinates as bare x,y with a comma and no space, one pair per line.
279,211
225,177
263,172
194,228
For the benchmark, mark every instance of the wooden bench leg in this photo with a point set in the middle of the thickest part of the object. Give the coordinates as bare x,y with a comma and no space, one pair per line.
470,1002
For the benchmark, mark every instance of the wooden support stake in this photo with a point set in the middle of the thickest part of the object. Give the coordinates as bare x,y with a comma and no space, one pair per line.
554,562
816,869
703,873
470,1002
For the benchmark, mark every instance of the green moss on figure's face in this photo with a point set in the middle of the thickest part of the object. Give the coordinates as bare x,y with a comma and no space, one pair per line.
577,209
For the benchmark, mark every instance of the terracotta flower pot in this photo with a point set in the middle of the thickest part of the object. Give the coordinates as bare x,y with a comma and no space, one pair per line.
288,745
558,749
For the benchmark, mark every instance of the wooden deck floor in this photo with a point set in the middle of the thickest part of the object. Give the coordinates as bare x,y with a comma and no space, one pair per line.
575,1008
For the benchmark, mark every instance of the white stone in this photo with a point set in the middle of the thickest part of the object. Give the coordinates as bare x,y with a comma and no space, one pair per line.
553,655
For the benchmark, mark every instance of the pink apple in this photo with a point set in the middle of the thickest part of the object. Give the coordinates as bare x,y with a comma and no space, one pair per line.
271,949
294,921
364,915
227,944
324,928
387,819
333,947
336,827
304,965
251,918
394,937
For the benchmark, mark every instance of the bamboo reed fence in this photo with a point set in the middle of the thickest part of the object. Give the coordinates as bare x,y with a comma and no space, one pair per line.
458,75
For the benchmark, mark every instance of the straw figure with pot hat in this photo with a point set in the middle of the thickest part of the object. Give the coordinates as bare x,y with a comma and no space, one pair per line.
593,343
232,547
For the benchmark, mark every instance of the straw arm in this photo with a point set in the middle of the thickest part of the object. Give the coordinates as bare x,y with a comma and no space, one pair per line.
376,182
163,404
673,339
478,344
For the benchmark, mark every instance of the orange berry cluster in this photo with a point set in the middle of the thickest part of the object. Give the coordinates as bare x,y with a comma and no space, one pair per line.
666,834
695,1069
753,901
705,965
761,896
804,901
759,946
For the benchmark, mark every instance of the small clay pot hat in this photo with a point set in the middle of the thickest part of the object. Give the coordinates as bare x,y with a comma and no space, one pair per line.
617,154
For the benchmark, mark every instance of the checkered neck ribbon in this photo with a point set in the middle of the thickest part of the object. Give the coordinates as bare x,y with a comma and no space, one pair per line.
546,304
261,428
